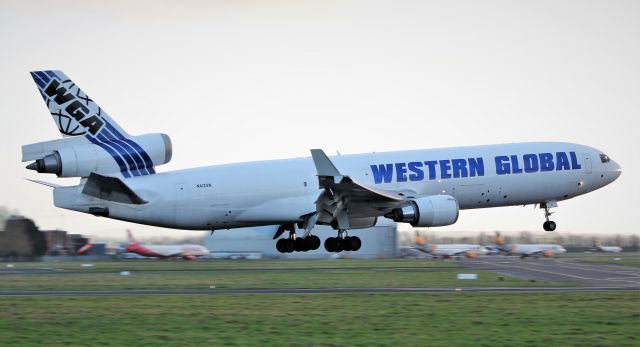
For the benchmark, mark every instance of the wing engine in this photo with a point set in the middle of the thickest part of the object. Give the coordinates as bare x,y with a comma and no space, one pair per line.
429,211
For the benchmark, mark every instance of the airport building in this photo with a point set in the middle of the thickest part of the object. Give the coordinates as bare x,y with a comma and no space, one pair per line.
380,241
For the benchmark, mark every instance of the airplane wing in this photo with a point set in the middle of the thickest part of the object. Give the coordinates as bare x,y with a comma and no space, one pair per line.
344,198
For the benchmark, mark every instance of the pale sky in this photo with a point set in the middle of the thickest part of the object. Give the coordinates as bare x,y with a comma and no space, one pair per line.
234,81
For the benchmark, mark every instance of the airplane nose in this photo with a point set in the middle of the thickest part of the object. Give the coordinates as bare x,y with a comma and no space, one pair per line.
615,170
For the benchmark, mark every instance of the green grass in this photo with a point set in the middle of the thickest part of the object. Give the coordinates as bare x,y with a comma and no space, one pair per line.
354,278
409,319
228,264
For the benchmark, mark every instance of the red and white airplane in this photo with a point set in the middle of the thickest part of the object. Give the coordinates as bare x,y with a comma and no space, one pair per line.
186,251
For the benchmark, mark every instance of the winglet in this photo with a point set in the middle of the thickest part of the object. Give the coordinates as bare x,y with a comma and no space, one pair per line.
324,166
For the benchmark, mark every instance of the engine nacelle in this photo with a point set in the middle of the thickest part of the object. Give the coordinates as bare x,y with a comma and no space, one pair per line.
430,211
67,159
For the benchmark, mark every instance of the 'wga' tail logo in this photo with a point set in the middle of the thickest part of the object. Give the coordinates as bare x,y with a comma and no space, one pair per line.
73,119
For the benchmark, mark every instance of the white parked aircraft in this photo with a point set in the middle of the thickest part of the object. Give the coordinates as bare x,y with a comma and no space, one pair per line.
607,249
426,188
447,250
186,251
528,250
454,250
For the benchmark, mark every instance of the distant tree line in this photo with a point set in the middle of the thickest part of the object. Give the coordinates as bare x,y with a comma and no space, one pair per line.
20,237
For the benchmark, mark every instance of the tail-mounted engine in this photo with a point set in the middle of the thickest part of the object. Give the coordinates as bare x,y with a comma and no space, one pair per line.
77,157
430,211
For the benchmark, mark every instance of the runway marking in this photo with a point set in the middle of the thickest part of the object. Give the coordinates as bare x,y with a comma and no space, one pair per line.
549,272
592,267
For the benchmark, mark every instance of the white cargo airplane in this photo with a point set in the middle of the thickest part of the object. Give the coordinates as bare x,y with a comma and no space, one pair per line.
425,188
528,250
185,251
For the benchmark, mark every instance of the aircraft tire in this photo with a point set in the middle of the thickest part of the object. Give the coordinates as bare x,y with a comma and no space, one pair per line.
355,243
300,245
279,245
339,244
346,243
330,244
288,245
549,226
314,242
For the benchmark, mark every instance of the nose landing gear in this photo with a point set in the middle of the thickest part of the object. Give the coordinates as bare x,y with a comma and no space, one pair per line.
549,225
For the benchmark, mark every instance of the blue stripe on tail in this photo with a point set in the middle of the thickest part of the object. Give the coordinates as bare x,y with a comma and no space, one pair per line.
116,157
130,163
126,150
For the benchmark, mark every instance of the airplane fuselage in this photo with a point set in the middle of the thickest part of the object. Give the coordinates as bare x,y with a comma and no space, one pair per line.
281,191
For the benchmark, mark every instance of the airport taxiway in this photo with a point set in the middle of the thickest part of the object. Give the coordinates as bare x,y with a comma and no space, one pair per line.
560,270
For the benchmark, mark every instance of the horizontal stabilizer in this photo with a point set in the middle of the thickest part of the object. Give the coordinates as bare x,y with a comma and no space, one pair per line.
48,184
110,189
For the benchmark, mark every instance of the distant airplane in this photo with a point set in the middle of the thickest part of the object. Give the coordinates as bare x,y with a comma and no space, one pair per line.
426,188
84,249
185,251
528,250
607,249
449,250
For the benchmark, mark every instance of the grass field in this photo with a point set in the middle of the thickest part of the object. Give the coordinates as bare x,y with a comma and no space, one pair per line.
443,319
228,264
191,275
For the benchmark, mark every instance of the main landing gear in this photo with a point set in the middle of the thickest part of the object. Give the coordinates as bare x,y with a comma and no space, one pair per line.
342,243
549,225
297,244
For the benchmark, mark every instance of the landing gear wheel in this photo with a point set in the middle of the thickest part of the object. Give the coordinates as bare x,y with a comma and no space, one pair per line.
280,246
354,243
549,225
339,244
300,245
346,243
314,242
288,245
330,244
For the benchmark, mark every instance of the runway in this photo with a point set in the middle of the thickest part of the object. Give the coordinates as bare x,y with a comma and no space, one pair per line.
560,270
310,291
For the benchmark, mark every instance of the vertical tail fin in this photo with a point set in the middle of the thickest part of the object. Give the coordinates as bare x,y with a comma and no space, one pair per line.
130,238
77,115
73,111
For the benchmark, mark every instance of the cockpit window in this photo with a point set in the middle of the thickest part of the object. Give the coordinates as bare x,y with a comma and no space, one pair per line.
604,158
